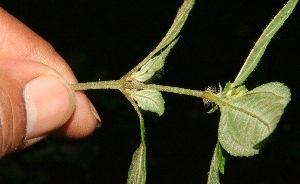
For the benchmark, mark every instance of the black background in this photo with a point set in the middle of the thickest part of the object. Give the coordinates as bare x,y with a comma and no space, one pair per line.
105,39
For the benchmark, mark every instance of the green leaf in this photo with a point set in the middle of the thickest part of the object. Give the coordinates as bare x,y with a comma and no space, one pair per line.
226,89
172,33
153,65
235,92
176,27
263,41
249,119
217,164
149,100
137,170
222,160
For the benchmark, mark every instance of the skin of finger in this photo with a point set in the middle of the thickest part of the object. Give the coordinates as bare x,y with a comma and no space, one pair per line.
18,42
76,129
12,135
16,75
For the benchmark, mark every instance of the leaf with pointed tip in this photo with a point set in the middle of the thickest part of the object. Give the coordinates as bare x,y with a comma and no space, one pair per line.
137,170
172,33
262,43
249,119
217,164
149,100
153,65
177,25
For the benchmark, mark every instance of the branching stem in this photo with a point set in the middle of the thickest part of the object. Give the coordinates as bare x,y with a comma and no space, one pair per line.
122,85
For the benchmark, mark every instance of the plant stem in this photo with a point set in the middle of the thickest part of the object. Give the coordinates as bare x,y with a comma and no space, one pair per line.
113,84
121,85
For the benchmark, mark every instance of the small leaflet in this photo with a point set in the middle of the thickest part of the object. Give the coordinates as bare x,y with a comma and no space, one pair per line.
153,65
213,174
137,170
149,100
222,160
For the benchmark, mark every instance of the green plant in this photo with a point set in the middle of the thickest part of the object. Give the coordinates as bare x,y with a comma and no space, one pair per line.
247,117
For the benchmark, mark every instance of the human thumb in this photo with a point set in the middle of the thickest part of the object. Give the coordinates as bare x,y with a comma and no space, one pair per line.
34,101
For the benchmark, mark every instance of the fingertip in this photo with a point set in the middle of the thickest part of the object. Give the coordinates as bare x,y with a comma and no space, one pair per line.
49,103
84,120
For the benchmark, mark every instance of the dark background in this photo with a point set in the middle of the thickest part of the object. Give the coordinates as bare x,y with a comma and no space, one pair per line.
105,39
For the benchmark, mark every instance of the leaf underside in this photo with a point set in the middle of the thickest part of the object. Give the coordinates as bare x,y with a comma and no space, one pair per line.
149,100
137,170
249,119
217,164
156,63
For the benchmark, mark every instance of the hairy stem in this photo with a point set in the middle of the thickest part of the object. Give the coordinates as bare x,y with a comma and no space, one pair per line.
122,85
113,84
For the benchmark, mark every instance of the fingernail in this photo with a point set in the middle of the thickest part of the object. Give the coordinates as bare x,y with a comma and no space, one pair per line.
95,113
48,105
